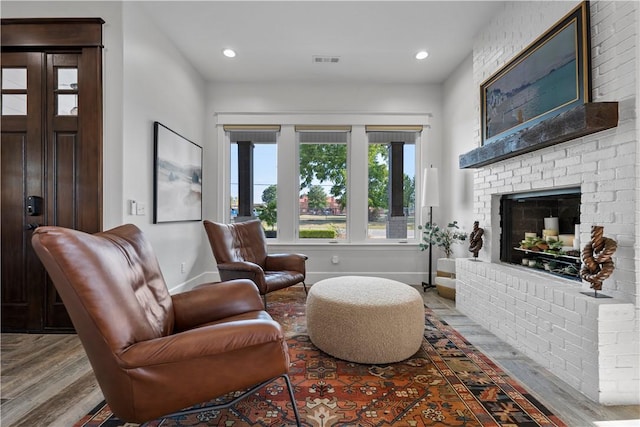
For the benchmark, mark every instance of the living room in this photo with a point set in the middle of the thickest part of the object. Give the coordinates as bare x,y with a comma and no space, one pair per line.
147,79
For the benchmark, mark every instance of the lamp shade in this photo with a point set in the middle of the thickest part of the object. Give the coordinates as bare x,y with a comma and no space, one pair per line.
430,188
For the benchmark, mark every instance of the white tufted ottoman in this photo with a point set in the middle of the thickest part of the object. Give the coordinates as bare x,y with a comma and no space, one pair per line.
365,319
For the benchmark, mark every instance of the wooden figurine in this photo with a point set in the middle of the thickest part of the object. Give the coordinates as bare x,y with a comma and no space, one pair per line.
475,239
596,258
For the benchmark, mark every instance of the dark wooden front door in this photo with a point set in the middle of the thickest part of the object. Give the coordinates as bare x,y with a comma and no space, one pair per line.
50,159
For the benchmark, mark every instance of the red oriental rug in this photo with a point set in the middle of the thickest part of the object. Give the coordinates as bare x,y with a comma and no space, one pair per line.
447,382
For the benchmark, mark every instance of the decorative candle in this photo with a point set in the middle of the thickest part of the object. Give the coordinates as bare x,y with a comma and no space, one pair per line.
530,235
551,223
566,239
547,232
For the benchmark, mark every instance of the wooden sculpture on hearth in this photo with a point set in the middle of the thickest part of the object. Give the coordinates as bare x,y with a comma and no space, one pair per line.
596,258
475,239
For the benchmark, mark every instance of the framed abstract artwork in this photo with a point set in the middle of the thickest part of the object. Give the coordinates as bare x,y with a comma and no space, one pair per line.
549,77
177,177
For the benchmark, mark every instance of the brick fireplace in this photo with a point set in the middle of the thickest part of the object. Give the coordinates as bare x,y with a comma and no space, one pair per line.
592,344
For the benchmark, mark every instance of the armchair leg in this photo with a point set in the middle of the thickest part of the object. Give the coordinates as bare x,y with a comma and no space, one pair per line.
293,400
264,299
239,398
305,288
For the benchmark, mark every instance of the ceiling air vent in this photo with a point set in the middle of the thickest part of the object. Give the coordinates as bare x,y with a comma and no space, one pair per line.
317,59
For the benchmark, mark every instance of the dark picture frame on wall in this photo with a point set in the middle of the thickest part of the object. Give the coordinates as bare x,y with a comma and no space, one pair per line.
177,177
550,76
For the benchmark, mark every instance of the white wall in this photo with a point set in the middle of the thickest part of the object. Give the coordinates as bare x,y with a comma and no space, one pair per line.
394,260
459,119
159,85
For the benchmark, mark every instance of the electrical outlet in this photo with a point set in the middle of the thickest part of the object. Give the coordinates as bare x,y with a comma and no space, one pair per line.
183,267
133,207
335,259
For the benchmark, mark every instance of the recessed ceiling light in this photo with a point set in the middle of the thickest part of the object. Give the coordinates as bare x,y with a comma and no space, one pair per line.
229,53
422,54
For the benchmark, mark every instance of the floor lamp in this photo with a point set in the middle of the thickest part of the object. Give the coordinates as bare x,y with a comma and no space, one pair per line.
431,199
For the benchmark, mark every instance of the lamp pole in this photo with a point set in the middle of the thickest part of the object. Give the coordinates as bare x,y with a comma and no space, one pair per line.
429,284
431,198
430,247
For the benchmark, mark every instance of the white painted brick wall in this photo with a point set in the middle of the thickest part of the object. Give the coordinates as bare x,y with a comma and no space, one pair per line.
548,319
592,344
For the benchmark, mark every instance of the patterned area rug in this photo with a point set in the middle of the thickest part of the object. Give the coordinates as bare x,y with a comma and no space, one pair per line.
447,382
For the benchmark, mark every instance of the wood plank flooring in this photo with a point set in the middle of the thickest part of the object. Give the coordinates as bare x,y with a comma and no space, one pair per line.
563,400
46,380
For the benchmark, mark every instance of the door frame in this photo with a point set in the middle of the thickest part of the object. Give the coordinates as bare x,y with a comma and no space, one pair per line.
82,36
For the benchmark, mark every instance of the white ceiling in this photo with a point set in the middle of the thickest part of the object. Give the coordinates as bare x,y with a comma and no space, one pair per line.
276,40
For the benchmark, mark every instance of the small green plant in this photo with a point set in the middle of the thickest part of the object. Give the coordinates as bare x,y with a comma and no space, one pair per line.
268,214
555,248
443,238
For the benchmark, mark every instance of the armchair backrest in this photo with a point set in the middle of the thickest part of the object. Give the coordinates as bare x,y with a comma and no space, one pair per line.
113,290
242,241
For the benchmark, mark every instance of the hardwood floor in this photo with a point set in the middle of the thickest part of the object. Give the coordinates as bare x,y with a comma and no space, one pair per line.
46,380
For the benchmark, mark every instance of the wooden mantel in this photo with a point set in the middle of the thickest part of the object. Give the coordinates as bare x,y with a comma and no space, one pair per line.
575,123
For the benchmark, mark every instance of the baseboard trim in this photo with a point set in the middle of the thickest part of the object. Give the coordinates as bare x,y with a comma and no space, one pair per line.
205,277
410,278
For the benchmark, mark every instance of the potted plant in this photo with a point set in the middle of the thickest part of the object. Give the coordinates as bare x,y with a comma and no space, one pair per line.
443,238
269,215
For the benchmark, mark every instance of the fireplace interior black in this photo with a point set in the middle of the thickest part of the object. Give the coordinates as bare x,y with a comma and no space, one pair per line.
539,230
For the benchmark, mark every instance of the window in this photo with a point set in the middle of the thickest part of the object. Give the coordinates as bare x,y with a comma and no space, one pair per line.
14,91
323,184
391,185
67,91
253,178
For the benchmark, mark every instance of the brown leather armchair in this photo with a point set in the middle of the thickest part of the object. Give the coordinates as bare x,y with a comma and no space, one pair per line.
240,251
153,353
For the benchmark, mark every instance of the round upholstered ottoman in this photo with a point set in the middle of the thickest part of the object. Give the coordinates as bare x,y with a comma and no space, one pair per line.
365,319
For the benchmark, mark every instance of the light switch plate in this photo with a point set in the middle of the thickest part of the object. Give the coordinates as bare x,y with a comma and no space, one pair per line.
141,209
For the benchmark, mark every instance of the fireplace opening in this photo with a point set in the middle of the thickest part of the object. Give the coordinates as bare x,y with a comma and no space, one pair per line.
540,230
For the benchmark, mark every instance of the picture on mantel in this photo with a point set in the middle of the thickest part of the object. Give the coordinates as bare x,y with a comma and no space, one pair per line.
544,80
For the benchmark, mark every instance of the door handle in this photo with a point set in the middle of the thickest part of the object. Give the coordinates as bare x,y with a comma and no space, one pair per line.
32,226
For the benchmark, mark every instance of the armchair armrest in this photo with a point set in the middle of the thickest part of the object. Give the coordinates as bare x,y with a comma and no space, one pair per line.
240,266
214,302
200,342
243,270
290,262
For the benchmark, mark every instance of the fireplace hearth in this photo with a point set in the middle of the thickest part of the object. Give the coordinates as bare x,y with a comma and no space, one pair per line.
540,230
